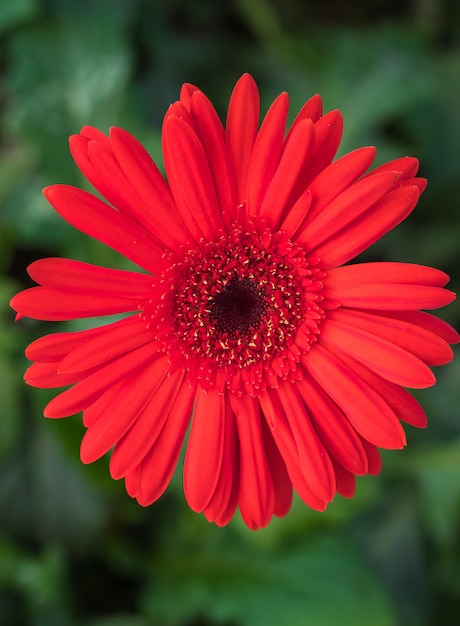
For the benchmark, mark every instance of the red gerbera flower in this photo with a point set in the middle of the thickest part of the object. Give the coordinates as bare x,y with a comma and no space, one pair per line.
292,363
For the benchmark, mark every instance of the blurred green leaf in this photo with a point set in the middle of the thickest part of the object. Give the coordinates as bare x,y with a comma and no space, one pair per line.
13,12
39,579
120,620
438,475
322,583
39,483
63,74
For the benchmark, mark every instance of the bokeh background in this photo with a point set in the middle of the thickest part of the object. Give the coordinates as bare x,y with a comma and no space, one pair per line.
74,549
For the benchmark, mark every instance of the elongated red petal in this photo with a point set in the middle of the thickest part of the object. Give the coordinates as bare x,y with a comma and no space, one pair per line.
190,179
125,406
78,276
384,272
122,195
335,431
356,399
313,456
381,356
51,305
328,133
241,130
161,216
275,202
424,344
94,133
78,145
134,445
274,413
154,473
404,297
217,508
46,376
406,166
256,487
337,176
404,405
356,237
212,136
55,347
351,204
205,449
296,215
428,321
96,219
266,153
84,393
311,110
108,345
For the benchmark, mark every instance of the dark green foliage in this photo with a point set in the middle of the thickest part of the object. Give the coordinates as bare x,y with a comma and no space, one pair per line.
74,549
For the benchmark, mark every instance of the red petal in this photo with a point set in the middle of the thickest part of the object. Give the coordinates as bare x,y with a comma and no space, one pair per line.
228,482
186,93
276,419
387,213
83,394
428,321
132,448
76,275
313,456
121,194
266,153
55,347
337,176
281,481
78,145
106,346
296,215
96,219
380,355
126,404
405,407
368,412
161,215
350,205
346,483
384,272
328,133
205,449
424,344
374,460
242,124
256,487
52,305
275,202
46,376
407,167
389,296
89,132
211,134
158,466
190,179
337,434
311,110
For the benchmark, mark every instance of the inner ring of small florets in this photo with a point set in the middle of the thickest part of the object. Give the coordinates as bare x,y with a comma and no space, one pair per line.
239,303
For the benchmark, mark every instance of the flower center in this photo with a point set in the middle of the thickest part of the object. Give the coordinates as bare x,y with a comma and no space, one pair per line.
238,308
240,311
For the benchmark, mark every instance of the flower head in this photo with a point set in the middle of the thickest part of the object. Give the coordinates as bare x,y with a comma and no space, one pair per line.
246,323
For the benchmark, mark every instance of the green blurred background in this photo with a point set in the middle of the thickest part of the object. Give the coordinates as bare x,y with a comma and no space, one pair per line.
74,549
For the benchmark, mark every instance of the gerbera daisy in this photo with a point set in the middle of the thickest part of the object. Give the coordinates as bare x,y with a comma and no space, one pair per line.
245,325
